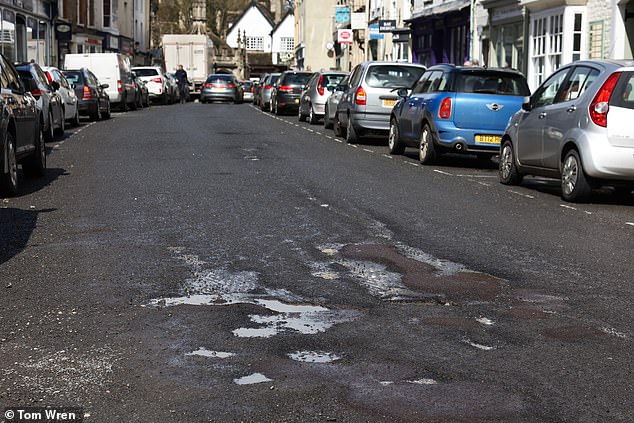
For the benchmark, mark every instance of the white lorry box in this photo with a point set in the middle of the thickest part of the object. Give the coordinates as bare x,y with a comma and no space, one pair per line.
194,52
109,68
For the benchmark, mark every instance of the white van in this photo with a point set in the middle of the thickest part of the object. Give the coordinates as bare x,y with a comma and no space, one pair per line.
110,68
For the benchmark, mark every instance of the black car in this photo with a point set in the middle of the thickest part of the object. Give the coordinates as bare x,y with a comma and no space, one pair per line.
21,138
48,99
287,91
93,98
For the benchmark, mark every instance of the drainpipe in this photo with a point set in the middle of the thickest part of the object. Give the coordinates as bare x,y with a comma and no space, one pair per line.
472,27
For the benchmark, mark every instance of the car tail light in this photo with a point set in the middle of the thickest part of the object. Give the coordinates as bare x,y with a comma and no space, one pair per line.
320,88
207,85
157,80
268,87
119,85
87,93
360,97
36,92
251,89
600,105
445,109
48,76
230,86
285,88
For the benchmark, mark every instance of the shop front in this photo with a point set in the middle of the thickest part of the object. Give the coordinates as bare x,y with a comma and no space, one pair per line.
507,32
25,31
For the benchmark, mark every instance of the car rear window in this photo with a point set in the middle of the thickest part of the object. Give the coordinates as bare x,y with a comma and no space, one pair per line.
393,76
74,77
272,79
331,80
247,84
623,94
492,83
146,72
296,78
219,79
25,74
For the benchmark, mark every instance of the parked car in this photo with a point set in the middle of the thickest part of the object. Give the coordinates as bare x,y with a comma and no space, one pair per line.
458,109
257,85
112,69
575,127
48,100
142,93
156,82
247,87
223,87
330,109
366,103
266,86
66,91
287,90
313,98
94,101
173,88
21,137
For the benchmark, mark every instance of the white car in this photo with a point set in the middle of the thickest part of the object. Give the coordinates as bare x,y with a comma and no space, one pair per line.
67,92
156,82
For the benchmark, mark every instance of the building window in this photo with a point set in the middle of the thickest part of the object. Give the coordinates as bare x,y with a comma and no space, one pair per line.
7,37
596,40
547,43
107,13
556,37
287,44
255,43
576,38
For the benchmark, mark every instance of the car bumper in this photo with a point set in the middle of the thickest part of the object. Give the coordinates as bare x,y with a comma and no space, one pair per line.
288,101
603,160
464,140
87,107
371,122
218,95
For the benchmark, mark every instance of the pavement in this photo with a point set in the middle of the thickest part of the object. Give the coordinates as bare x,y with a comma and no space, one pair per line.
214,263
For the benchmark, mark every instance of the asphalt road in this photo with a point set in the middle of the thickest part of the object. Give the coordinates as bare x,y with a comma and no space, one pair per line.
195,263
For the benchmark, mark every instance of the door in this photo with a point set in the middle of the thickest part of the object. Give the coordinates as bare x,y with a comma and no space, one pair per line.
22,105
564,113
530,132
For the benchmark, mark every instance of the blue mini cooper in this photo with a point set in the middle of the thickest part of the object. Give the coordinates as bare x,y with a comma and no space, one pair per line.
456,109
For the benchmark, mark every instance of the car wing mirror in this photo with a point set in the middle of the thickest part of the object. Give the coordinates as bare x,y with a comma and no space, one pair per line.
527,105
104,86
55,85
402,92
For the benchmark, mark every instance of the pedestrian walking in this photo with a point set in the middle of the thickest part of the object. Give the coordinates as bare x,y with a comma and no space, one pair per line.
181,78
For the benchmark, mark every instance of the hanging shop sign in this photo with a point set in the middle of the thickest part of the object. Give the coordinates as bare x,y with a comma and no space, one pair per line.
387,25
344,36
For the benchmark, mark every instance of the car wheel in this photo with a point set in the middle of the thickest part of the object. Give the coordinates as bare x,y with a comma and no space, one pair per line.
134,104
9,180
300,115
49,133
507,169
426,148
575,186
312,117
277,108
337,126
263,106
165,99
271,106
351,133
62,127
107,114
327,122
36,164
76,121
394,143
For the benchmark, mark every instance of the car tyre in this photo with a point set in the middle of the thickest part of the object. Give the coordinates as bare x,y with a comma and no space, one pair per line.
36,164
300,115
575,185
59,132
108,113
9,180
394,143
337,126
351,133
165,99
76,121
277,108
312,117
49,134
507,168
327,122
124,104
426,148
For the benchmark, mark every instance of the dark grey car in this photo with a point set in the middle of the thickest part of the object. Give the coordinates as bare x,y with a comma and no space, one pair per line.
223,87
367,101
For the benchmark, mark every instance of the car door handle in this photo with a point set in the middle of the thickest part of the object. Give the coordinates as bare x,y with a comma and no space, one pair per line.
542,115
571,109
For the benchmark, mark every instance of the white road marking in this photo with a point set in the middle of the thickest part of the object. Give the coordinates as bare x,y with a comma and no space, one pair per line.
369,151
411,164
477,176
485,184
565,206
521,194
443,172
587,212
309,130
629,223
329,137
387,156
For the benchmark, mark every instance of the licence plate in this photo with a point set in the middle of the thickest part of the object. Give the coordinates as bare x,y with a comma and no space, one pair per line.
297,100
389,103
488,139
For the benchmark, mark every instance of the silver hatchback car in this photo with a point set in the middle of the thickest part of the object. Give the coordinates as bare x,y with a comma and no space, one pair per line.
315,94
575,127
367,100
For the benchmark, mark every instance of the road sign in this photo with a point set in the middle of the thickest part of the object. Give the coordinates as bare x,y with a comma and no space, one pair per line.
342,14
344,36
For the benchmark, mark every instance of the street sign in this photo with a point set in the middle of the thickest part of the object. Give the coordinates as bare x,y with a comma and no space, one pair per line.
342,14
387,25
359,20
400,36
374,32
344,36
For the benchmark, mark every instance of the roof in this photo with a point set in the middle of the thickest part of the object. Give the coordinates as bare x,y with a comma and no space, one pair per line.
262,10
286,15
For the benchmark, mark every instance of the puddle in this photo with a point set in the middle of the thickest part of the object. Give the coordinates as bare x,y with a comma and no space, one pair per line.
423,382
379,281
443,267
252,379
314,356
212,354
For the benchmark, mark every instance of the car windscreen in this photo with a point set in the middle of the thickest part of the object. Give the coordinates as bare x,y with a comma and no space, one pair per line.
393,76
492,83
219,79
74,77
146,72
331,80
296,78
